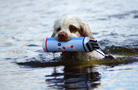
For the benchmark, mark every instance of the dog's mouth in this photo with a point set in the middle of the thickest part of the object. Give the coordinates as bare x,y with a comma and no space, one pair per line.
62,40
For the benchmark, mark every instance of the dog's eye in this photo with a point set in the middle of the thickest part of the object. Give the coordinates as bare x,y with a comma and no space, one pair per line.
58,29
72,29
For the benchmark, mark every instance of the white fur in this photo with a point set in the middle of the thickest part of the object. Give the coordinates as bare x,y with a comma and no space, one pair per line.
64,23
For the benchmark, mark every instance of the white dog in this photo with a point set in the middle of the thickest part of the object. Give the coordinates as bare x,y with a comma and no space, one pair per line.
68,27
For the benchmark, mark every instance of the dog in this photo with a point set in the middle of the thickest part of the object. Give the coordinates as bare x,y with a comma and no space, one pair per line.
68,27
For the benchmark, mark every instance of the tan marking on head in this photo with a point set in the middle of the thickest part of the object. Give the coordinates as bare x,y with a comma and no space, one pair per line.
73,29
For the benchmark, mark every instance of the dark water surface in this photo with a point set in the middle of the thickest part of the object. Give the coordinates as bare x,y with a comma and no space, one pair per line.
25,23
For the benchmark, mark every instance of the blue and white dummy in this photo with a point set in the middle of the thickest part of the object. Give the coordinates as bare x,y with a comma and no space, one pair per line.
78,44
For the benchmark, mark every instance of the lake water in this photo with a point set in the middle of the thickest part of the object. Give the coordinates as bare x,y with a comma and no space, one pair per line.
25,23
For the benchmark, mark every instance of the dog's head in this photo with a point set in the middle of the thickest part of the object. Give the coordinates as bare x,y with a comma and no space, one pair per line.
67,27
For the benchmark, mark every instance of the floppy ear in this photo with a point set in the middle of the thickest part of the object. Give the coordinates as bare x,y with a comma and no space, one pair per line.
85,31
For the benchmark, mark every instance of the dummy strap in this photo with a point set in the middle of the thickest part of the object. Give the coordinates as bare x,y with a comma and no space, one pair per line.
92,45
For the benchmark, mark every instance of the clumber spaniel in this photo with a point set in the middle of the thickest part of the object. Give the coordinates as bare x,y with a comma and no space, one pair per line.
68,27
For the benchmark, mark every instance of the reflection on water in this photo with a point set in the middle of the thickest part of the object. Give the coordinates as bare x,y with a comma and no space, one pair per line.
81,75
74,78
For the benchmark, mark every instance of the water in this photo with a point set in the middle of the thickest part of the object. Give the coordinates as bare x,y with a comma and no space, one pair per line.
24,66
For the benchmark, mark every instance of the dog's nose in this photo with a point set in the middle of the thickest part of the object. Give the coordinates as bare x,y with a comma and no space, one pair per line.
62,35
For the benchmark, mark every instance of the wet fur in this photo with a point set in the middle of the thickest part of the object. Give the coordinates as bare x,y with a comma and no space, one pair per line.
72,27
